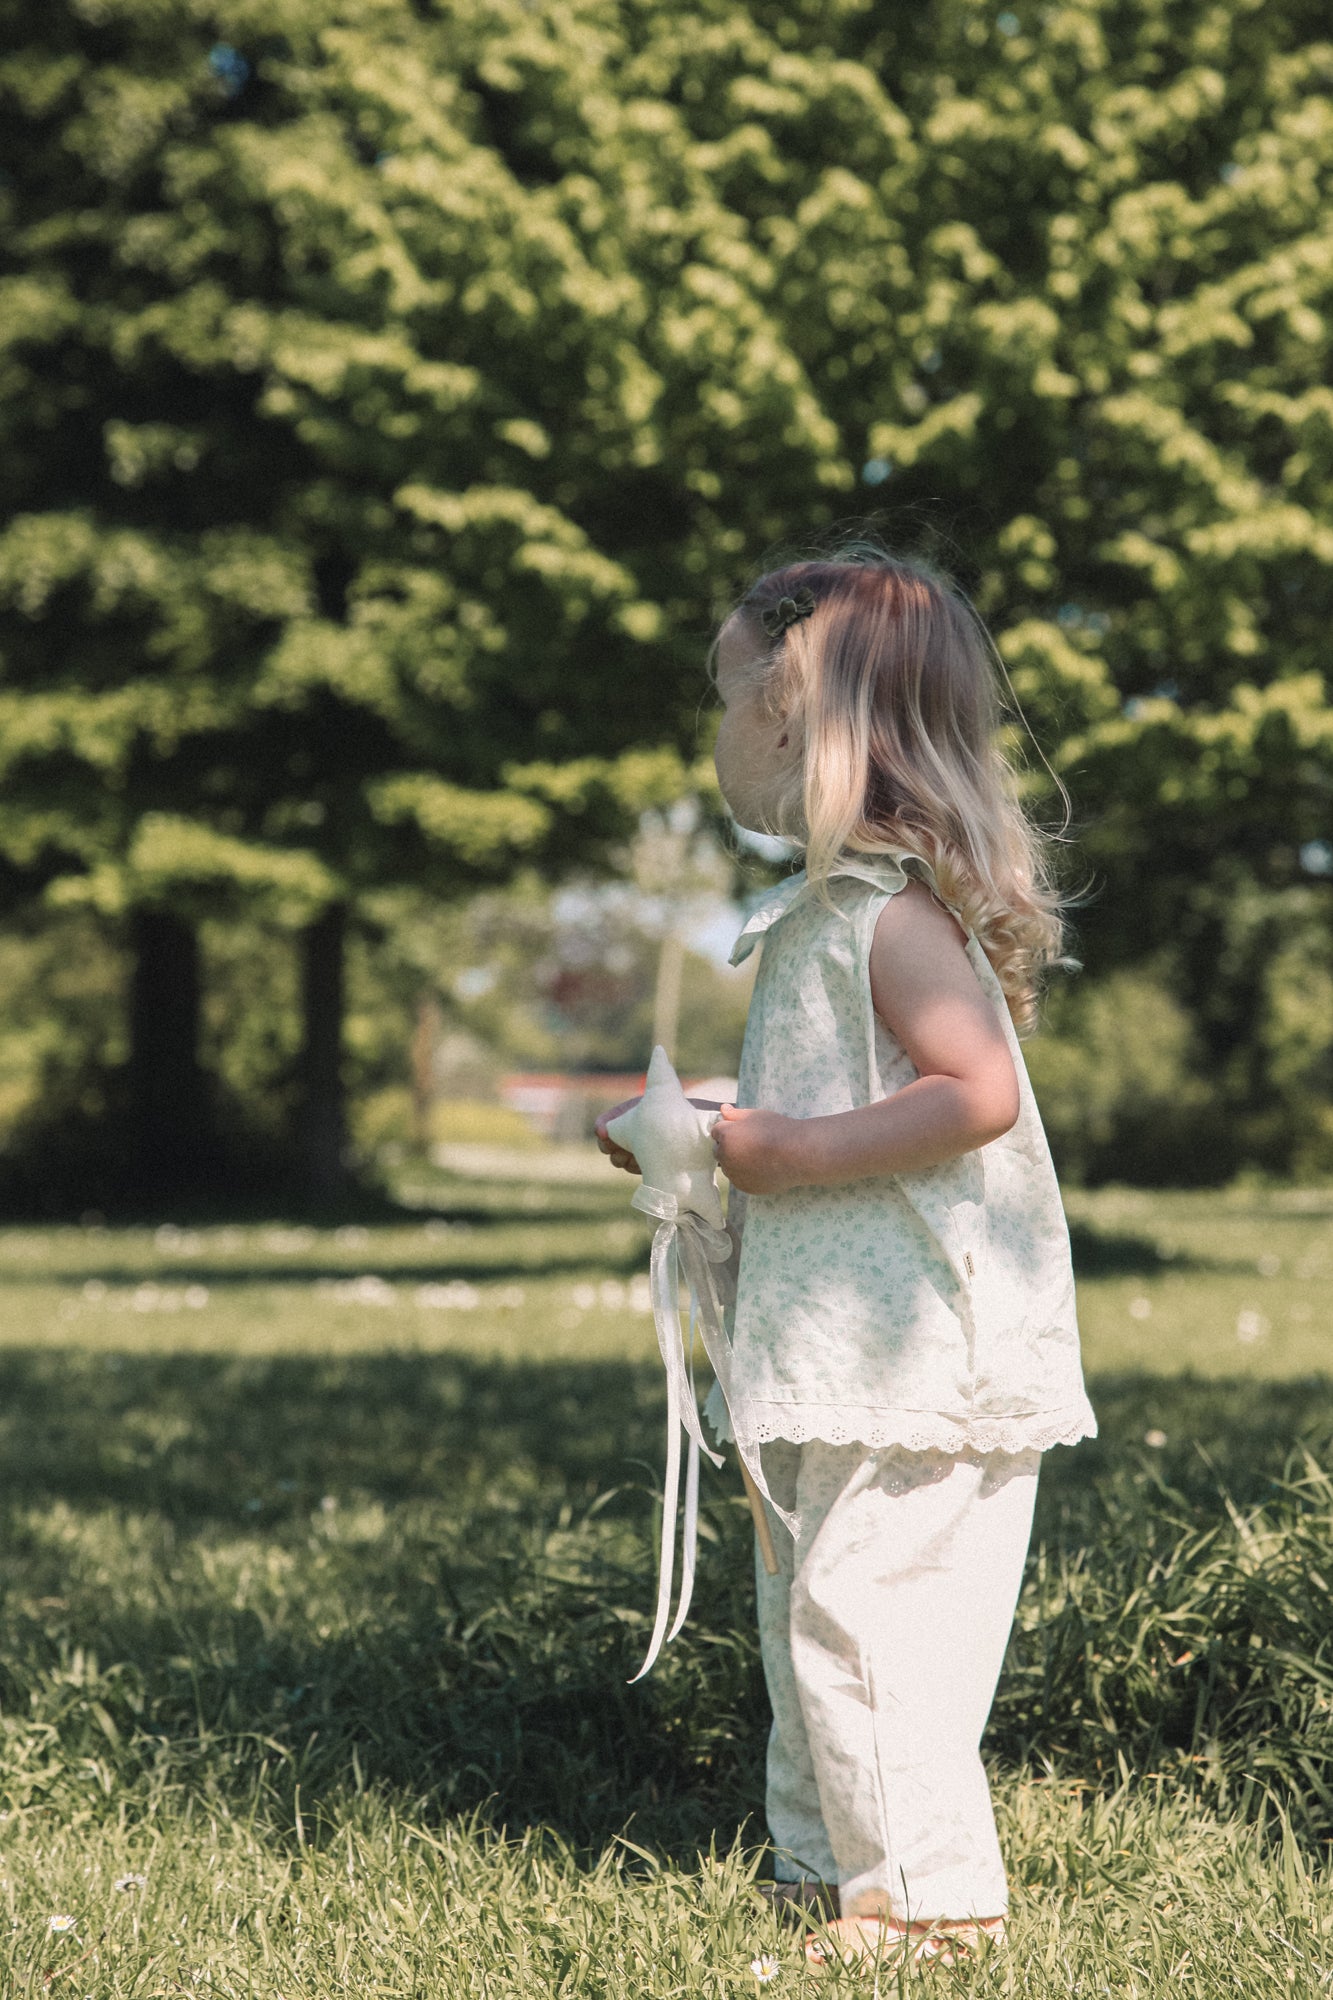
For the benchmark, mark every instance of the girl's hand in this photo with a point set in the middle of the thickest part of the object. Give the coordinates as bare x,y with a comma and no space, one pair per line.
617,1154
756,1150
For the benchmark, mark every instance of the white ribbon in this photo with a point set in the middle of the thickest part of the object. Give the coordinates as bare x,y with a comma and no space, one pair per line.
685,1240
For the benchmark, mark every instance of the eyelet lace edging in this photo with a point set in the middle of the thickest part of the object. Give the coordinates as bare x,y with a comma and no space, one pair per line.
912,1430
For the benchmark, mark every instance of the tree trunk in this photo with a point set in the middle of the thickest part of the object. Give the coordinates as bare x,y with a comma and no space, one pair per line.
666,998
322,1113
425,1042
170,1112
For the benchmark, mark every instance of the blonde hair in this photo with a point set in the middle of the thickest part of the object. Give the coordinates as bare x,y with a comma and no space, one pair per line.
890,687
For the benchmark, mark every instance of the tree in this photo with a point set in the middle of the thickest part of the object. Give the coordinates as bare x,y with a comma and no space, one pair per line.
1061,279
389,393
329,428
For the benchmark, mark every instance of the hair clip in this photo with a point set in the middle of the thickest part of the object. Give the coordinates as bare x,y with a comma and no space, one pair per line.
787,611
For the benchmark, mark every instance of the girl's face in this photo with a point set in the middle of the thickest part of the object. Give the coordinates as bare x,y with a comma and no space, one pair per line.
753,754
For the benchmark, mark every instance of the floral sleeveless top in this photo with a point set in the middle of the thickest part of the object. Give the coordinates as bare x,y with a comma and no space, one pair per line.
933,1309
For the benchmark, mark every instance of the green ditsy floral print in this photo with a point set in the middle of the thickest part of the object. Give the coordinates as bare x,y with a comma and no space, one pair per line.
933,1310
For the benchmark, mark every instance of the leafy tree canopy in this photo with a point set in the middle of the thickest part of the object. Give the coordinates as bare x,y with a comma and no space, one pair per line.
388,392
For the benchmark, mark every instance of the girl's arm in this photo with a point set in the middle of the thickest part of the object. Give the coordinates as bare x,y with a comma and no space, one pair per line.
966,1093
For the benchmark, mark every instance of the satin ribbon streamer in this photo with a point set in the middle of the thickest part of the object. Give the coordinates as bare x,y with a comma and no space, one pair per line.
685,1242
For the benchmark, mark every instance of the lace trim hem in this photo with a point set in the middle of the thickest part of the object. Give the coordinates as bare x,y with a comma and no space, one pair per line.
911,1430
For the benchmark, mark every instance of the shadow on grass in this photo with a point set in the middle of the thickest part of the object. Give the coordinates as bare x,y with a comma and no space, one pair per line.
1106,1253
429,1570
259,1439
434,1573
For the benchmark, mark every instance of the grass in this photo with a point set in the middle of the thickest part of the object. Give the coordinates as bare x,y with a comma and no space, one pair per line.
325,1557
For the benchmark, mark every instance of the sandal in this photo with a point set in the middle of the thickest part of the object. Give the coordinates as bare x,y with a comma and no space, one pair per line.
803,1898
864,1943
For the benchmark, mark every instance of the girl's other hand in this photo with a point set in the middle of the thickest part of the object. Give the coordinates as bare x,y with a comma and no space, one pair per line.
755,1150
617,1154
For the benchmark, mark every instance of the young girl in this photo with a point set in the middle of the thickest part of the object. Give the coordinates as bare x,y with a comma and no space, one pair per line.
904,1344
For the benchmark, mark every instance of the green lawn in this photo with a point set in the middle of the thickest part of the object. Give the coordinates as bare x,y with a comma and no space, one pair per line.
327,1556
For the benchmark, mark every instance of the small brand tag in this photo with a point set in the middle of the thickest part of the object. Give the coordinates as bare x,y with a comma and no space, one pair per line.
968,1261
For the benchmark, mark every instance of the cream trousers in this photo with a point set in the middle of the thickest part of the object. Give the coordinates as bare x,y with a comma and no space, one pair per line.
882,1636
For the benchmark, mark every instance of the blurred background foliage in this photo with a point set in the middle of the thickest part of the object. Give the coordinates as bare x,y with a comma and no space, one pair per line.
391,395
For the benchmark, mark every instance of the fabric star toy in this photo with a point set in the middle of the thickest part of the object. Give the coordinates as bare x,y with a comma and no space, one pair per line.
672,1141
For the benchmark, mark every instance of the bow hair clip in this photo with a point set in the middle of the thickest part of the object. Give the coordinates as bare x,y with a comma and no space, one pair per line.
787,611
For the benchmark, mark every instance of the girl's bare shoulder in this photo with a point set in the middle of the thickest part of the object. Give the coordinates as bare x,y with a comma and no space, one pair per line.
926,991
917,914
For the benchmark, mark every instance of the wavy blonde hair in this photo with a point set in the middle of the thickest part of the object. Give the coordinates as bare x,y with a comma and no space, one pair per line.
890,688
